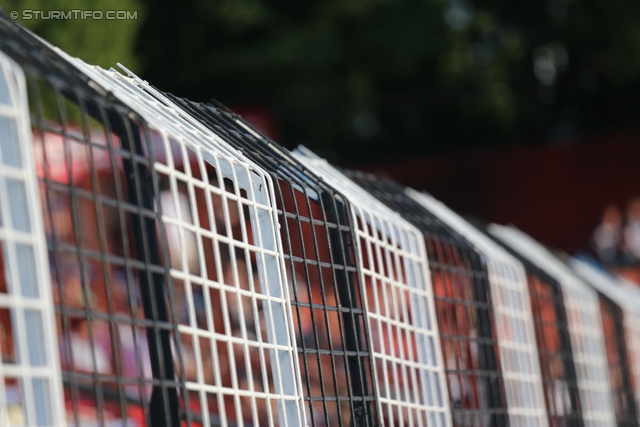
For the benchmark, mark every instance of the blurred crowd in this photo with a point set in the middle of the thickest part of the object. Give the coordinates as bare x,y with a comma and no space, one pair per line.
100,311
616,239
100,314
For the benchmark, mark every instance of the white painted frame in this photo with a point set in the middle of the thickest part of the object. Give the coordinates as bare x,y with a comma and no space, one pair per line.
627,297
22,236
171,122
428,399
584,325
516,338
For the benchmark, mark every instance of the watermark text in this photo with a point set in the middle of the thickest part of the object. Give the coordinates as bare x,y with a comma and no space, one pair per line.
109,15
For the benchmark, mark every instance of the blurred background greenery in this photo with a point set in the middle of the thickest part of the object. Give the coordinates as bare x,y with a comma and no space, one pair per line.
371,79
513,112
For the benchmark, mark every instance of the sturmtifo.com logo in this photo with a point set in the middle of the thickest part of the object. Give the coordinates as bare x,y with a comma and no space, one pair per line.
109,15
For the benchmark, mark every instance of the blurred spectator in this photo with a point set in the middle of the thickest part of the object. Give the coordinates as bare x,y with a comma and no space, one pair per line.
606,237
88,356
616,240
631,242
182,214
86,347
134,349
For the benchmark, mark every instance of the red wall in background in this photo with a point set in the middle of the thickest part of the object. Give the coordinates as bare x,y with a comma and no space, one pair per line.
556,194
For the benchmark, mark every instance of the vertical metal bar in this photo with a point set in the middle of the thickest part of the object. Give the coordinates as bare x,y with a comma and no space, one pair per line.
569,366
347,292
164,405
632,412
486,354
574,418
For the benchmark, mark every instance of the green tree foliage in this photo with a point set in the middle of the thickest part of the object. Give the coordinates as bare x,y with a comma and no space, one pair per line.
100,42
364,77
358,78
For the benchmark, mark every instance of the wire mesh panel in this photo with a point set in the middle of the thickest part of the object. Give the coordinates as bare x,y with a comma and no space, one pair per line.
30,383
558,371
114,331
516,337
631,293
633,351
584,325
621,324
400,307
226,265
464,309
624,405
167,272
317,236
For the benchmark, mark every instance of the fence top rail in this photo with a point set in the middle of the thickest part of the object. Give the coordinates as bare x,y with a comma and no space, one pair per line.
617,291
483,243
540,256
430,225
357,195
268,154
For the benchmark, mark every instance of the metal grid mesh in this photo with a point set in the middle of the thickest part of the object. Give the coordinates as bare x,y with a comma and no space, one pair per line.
114,330
400,307
30,383
623,403
632,326
317,236
516,337
557,367
464,309
584,324
226,267
170,292
130,324
632,329
621,323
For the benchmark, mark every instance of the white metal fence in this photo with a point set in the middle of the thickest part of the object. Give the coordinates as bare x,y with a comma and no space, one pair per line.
30,384
165,264
516,338
585,327
395,276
